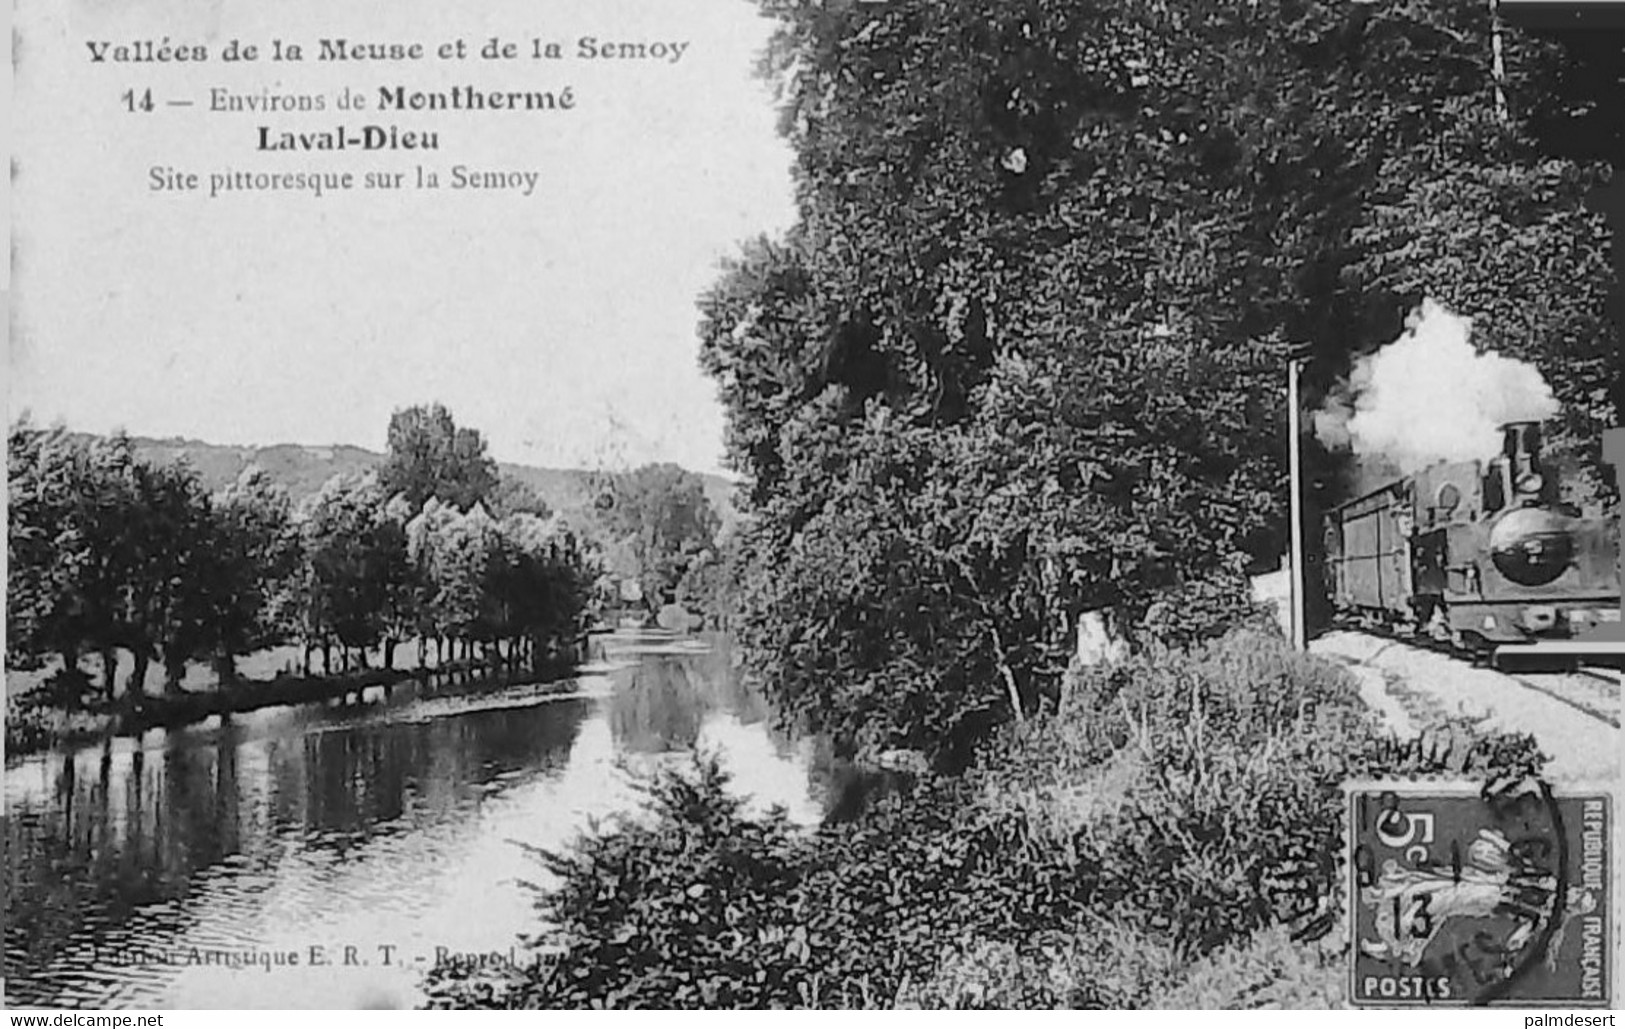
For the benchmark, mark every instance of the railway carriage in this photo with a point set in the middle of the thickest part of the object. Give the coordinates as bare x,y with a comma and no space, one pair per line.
1477,553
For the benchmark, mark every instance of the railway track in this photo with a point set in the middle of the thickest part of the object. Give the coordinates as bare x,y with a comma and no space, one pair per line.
1592,691
1588,690
1600,674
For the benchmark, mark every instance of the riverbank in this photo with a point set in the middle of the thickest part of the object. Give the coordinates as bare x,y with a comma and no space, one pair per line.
1169,837
36,720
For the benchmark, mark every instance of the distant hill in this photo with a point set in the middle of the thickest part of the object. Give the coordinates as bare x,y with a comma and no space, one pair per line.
304,470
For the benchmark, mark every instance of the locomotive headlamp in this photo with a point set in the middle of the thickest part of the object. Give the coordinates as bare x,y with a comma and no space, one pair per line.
1529,482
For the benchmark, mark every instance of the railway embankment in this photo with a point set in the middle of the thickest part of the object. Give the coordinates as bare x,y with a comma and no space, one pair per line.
1413,688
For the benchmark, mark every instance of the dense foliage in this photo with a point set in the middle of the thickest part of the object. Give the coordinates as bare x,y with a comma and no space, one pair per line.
661,513
1022,356
1180,811
109,553
431,456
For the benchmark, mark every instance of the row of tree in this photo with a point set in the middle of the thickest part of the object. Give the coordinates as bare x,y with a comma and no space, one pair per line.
109,552
1022,355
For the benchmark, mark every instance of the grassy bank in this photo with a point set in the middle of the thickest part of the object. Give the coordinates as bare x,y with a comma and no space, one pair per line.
64,711
1170,836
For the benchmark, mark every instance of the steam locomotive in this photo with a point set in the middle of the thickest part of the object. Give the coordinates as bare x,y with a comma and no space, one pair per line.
1478,554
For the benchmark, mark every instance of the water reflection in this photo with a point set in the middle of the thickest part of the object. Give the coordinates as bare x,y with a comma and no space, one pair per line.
389,826
657,706
661,702
120,847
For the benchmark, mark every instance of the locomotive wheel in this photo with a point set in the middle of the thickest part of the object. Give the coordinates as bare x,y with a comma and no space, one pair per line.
1475,647
1433,629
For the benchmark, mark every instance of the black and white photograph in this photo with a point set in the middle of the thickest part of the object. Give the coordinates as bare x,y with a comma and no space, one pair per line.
814,504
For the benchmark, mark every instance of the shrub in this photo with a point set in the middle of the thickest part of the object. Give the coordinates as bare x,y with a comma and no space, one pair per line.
1453,747
1234,821
1211,784
1270,970
1206,608
695,907
927,869
1101,963
701,906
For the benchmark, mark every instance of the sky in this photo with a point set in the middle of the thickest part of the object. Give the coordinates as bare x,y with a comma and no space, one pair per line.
560,324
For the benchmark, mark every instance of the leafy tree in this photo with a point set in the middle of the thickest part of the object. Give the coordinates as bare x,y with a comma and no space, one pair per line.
75,578
358,574
49,560
247,571
539,581
662,510
453,552
107,502
1022,318
427,536
170,543
431,456
401,585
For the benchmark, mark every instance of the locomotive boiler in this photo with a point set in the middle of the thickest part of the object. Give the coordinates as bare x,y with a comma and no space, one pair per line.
1476,553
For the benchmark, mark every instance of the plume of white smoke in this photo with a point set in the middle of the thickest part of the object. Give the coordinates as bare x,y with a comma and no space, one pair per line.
1430,396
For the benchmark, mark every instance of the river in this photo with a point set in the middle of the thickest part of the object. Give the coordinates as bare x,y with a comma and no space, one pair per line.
357,841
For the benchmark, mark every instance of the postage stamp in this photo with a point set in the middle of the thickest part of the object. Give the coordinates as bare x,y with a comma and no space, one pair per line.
1471,894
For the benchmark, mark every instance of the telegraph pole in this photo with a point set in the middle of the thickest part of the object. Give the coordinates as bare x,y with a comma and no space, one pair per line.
1498,69
1294,370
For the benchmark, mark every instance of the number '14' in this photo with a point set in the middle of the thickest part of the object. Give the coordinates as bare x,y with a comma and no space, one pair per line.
134,101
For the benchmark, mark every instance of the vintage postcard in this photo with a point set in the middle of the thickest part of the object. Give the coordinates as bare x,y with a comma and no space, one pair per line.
743,504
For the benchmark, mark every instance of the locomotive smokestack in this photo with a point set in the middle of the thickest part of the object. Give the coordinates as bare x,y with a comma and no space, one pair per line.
1521,440
1520,455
